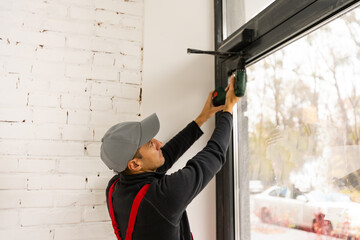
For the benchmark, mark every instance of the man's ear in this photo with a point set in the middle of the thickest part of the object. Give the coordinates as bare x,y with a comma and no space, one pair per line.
134,165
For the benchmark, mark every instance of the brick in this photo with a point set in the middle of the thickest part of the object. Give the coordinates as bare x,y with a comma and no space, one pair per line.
49,115
99,183
37,199
78,71
106,88
10,198
88,165
68,85
112,31
69,26
75,56
99,132
12,147
9,218
79,133
29,6
12,181
52,39
32,217
69,101
49,55
104,59
105,73
100,118
79,42
32,23
13,98
124,47
21,114
80,3
10,18
52,182
47,131
14,65
79,117
45,69
36,166
24,199
47,39
26,233
5,6
30,84
55,10
20,50
92,149
43,99
16,131
96,214
130,92
81,13
67,198
130,8
126,106
133,21
21,165
129,62
103,16
55,148
133,77
101,103
8,165
102,230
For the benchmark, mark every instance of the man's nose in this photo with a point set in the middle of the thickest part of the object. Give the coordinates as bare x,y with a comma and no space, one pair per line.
158,144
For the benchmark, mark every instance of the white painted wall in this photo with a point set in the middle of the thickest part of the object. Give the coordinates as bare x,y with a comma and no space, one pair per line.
176,85
71,69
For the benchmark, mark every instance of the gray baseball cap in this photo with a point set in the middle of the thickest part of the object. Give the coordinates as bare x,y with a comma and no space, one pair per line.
122,140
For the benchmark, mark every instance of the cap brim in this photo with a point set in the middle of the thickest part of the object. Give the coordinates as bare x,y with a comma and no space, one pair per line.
149,128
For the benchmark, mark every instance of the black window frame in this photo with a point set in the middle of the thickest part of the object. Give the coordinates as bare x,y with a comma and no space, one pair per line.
281,23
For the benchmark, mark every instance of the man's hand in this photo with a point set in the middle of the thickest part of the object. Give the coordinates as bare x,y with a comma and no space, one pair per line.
231,98
208,111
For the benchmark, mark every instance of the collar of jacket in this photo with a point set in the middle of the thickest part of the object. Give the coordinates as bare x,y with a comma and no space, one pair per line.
140,178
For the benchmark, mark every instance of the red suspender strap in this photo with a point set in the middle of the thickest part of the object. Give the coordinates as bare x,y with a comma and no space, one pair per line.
111,210
134,209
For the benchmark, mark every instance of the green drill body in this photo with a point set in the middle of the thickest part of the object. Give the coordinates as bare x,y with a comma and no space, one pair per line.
219,95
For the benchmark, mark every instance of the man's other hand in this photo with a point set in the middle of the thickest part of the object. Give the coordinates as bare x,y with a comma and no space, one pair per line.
208,111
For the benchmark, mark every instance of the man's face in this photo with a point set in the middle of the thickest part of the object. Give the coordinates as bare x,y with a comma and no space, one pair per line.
152,156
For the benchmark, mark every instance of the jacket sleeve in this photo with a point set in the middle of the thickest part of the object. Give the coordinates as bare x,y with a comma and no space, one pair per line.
179,144
174,192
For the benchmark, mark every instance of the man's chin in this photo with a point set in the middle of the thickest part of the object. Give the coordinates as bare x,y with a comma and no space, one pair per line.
162,161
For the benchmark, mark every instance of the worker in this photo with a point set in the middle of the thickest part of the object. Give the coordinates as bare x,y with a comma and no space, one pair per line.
144,202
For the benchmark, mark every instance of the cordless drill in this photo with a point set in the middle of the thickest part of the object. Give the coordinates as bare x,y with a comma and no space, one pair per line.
219,95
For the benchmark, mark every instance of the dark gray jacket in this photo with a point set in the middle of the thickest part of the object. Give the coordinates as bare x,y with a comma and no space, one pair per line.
162,212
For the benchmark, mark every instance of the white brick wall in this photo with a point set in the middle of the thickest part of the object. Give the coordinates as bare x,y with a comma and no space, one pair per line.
69,70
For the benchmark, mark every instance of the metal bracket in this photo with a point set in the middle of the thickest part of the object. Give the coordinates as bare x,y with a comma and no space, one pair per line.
215,53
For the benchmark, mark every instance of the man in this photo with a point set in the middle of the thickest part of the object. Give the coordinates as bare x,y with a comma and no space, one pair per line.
142,191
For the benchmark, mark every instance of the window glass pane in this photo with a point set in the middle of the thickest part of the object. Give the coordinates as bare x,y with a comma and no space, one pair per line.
237,12
304,136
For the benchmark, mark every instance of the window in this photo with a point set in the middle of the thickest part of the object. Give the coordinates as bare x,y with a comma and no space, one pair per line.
303,130
296,133
236,13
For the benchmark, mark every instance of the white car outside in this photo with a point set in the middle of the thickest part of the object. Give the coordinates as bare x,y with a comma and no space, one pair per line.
325,213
